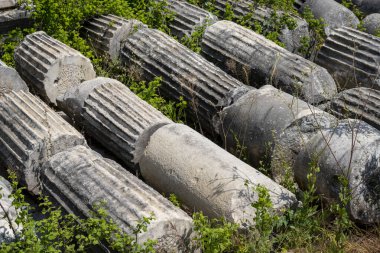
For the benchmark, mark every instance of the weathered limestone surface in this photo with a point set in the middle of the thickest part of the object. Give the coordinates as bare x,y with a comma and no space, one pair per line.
334,14
108,32
19,17
352,58
8,214
371,23
5,4
242,8
80,178
358,160
259,118
10,79
187,18
204,176
359,103
50,67
254,59
113,115
149,53
30,132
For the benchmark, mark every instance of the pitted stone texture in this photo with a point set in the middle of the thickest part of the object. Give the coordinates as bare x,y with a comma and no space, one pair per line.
19,17
10,80
359,103
334,14
371,23
352,58
107,33
187,18
204,176
259,61
243,8
50,67
149,53
79,178
8,214
115,116
6,4
30,132
337,154
257,120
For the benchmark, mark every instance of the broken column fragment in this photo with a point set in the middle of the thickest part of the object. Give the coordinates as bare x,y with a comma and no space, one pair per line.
371,23
51,66
10,80
352,58
8,225
292,38
13,15
108,32
187,18
30,133
204,176
358,103
149,53
258,61
113,115
80,178
337,154
334,14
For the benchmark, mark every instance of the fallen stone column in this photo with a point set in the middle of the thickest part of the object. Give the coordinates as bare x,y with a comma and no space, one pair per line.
352,58
13,15
8,225
359,103
337,154
10,80
30,133
292,38
251,57
371,23
141,123
334,14
111,113
259,119
204,176
149,53
51,66
107,33
187,18
80,178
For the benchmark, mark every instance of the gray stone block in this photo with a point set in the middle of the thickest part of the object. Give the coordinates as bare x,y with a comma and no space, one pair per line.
187,18
242,8
204,176
359,103
79,178
149,53
107,33
371,23
257,61
10,79
8,226
30,133
50,67
20,17
367,6
351,149
334,14
116,117
352,58
6,4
